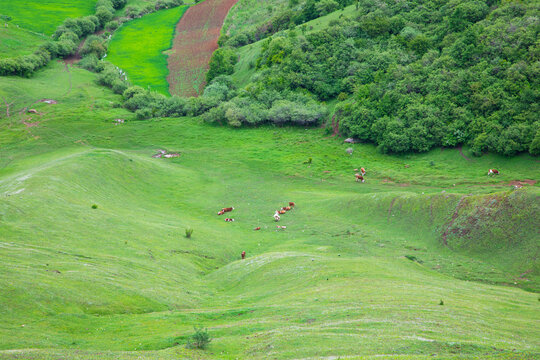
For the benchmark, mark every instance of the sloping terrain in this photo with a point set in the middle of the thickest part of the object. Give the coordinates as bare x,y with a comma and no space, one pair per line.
138,48
195,41
44,16
361,270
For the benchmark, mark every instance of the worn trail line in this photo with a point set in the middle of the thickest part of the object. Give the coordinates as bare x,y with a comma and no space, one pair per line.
196,39
454,217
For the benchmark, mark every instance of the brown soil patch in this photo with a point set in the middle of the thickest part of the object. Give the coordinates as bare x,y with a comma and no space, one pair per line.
522,182
454,217
196,39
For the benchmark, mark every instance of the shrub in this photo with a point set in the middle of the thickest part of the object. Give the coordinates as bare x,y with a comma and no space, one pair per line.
112,25
94,206
93,45
189,231
91,63
221,62
199,340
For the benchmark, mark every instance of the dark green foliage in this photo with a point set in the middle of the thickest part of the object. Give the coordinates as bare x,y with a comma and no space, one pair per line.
410,78
221,63
94,206
91,63
441,302
199,340
93,45
189,232
286,19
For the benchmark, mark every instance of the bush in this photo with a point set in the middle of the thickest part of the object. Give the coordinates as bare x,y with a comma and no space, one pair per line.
112,25
199,340
93,45
221,63
189,231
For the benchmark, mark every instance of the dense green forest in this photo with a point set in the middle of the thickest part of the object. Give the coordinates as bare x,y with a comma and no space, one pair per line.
409,76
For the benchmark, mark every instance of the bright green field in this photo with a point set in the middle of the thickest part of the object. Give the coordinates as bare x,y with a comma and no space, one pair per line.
138,46
122,282
16,41
44,16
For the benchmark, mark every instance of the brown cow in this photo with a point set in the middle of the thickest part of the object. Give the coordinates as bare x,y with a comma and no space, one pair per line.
243,255
359,177
493,172
228,209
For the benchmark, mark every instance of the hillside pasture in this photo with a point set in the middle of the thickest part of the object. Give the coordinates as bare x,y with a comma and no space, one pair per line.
250,14
138,48
44,16
359,272
16,41
195,41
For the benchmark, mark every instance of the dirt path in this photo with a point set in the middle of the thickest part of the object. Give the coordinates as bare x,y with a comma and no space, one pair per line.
196,39
462,154
66,66
7,105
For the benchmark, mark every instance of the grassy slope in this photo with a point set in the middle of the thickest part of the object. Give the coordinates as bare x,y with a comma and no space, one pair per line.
123,278
251,13
18,41
44,17
247,55
138,46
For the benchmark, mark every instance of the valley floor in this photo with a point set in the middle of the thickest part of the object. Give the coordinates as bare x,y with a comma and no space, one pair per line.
430,258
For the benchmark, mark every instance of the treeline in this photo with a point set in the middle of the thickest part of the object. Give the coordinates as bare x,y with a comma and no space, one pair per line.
65,41
410,76
298,12
66,38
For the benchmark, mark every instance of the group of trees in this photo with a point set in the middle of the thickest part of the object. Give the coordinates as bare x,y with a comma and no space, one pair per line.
413,75
64,42
298,12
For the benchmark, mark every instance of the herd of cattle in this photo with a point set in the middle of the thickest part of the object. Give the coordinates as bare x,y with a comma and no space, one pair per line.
277,215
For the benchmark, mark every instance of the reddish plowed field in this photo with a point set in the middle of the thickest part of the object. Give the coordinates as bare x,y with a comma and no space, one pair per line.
196,39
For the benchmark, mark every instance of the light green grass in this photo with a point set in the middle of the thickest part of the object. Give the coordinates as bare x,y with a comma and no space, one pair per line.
250,14
122,282
138,46
16,41
44,16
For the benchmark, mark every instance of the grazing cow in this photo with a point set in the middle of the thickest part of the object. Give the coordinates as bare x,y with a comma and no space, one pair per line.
221,212
287,208
229,220
276,216
363,171
493,172
281,227
359,178
227,209
257,228
291,204
243,255
282,212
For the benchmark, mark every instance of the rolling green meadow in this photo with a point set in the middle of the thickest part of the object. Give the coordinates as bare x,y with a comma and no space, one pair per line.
138,48
44,16
122,281
430,258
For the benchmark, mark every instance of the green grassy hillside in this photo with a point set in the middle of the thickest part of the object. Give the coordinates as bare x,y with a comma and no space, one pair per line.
138,48
360,271
44,17
16,41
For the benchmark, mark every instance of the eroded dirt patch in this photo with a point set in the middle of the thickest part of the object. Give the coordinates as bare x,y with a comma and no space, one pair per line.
196,39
